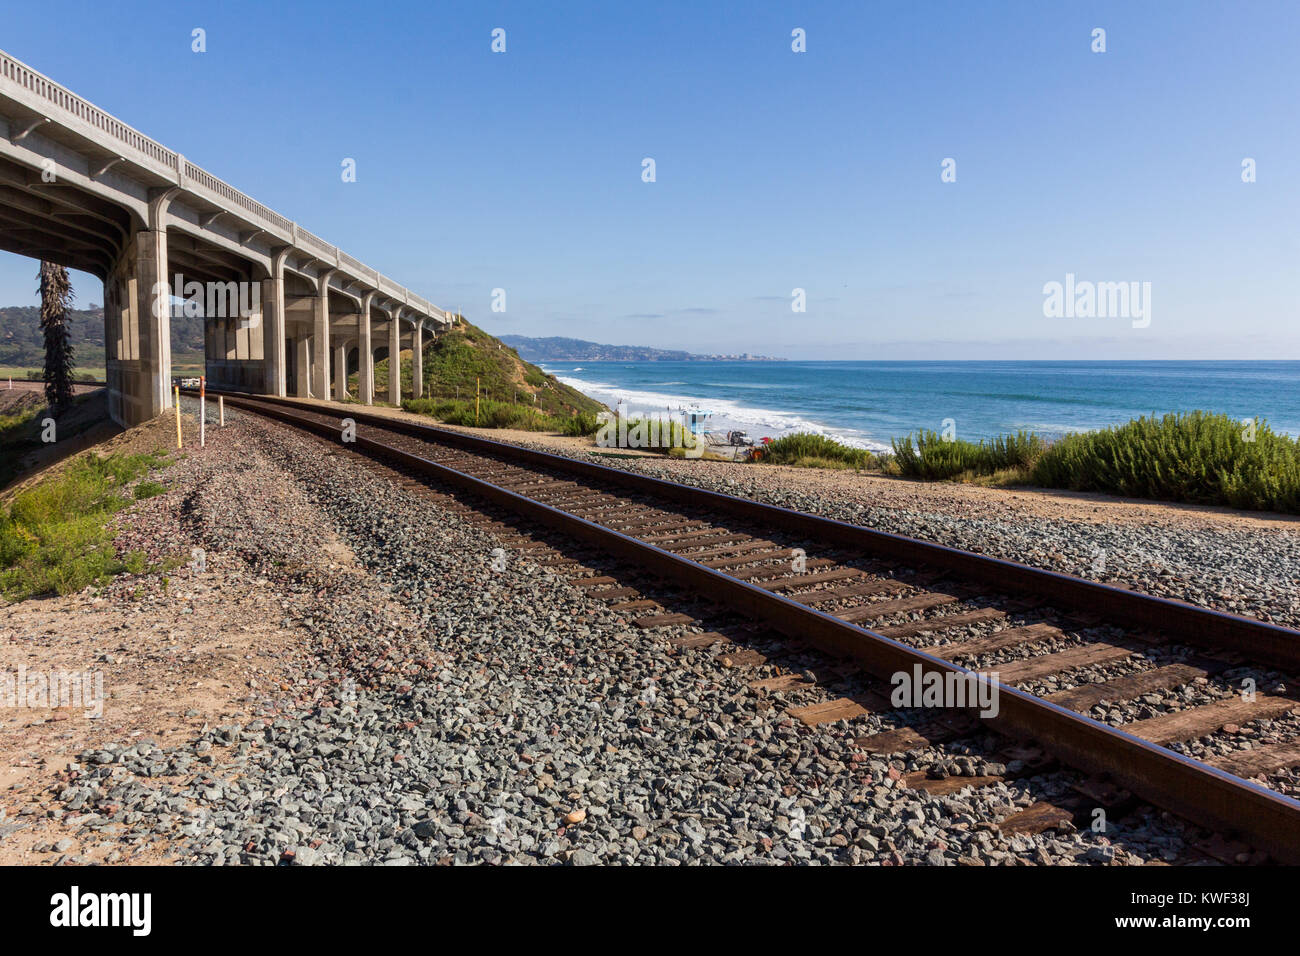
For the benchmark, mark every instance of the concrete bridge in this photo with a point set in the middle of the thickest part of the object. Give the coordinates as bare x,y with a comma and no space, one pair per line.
81,188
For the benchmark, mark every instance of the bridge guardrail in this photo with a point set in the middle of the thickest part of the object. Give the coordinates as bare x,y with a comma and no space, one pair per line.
60,97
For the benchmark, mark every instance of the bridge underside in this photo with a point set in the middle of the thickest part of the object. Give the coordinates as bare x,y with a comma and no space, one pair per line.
282,311
269,334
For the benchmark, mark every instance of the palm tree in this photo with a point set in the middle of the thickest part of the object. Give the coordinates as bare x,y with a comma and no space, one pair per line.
56,296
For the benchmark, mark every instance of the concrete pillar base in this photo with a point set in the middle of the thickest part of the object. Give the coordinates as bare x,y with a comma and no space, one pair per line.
137,340
395,360
302,367
340,373
320,351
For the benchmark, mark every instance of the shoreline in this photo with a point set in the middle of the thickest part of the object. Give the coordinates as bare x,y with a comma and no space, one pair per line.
980,399
733,415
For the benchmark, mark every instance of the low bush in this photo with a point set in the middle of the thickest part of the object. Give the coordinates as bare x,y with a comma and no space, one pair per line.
646,433
580,425
148,489
810,450
1197,457
930,456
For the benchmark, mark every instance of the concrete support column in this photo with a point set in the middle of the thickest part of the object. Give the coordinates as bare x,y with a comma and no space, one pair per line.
340,373
417,361
395,357
151,394
366,358
273,343
321,346
303,364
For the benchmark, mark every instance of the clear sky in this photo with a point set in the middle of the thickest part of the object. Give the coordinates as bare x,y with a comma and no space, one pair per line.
775,170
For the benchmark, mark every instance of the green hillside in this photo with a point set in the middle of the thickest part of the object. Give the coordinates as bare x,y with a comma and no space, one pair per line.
455,359
22,347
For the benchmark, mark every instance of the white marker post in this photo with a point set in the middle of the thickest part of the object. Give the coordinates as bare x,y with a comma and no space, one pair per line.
203,410
221,409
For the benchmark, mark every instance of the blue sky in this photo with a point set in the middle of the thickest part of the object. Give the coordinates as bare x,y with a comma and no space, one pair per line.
775,170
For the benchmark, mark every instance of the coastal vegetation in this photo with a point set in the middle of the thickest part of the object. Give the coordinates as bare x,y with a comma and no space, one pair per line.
55,537
933,457
1195,457
810,450
493,414
645,433
471,378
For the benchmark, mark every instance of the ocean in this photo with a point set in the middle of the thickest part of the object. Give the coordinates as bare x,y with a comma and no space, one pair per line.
865,404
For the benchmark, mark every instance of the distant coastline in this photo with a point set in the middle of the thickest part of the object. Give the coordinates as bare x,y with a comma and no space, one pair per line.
559,349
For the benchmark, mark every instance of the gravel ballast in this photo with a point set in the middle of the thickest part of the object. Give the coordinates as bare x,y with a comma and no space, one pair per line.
446,712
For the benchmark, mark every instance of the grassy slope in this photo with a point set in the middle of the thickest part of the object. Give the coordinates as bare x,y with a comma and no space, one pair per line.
456,358
56,536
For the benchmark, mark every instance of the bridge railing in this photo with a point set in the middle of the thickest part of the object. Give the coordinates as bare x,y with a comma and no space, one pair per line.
359,267
231,194
43,88
306,238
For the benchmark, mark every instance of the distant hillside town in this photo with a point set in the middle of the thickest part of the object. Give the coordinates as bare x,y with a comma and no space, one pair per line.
557,349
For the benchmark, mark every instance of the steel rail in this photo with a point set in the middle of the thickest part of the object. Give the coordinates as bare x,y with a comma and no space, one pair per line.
1262,641
1204,795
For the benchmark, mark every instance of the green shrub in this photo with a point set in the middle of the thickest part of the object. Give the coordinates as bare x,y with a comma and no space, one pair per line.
651,434
1196,457
932,457
148,489
811,450
580,424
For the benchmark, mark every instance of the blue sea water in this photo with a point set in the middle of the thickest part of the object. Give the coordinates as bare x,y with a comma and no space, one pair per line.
868,403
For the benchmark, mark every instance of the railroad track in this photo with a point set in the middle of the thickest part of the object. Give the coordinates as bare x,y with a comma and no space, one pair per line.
889,605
